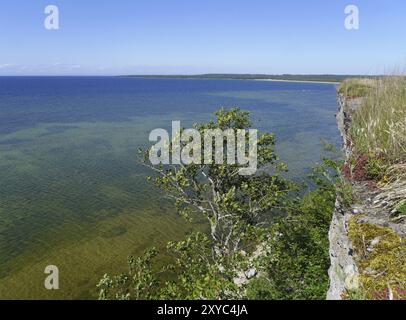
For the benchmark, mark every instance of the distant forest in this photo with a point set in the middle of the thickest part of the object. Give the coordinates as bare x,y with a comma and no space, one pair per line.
287,77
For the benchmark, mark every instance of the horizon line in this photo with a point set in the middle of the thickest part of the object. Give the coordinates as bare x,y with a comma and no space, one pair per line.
195,75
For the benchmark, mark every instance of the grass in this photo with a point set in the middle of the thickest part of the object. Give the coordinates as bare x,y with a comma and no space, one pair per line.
375,169
402,208
355,88
378,127
381,258
378,141
378,134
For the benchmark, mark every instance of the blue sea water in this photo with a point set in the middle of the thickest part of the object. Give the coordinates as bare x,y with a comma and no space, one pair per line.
71,191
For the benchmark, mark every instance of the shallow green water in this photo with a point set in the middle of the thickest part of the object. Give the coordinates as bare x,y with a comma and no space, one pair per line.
71,191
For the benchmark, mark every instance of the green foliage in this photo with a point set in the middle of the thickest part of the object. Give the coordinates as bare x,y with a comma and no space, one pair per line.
194,272
230,202
330,174
354,88
200,275
375,169
299,260
402,208
139,283
260,288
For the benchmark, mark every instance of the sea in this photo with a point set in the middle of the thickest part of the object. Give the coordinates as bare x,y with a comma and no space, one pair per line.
72,191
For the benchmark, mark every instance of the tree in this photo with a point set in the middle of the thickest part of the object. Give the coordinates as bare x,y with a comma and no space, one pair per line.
235,207
231,203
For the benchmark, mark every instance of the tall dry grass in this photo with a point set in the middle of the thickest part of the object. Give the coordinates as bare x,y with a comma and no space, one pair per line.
378,127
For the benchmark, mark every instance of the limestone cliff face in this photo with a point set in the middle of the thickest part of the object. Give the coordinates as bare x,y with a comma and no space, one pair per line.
343,271
367,210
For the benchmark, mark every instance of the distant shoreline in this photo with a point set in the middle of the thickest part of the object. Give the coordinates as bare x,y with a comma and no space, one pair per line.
327,79
235,79
299,81
300,78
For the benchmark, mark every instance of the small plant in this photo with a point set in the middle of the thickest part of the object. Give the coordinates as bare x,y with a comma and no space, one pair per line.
346,192
375,169
402,208
333,171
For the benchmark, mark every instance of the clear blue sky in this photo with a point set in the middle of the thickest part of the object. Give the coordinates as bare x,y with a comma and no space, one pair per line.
198,36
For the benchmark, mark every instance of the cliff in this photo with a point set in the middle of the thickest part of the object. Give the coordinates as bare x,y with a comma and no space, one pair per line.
367,245
343,271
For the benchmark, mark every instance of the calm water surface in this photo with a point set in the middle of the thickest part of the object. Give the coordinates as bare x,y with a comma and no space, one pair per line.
71,191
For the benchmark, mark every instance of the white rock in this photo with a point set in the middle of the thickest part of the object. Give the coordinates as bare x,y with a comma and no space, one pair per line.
251,273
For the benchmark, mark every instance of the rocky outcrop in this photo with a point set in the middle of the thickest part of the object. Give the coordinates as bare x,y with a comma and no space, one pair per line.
343,271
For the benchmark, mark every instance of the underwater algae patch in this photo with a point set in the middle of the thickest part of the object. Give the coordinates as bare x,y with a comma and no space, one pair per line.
83,261
72,199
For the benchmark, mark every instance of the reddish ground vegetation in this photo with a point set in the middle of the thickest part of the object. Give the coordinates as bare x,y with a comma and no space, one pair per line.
358,171
373,185
346,170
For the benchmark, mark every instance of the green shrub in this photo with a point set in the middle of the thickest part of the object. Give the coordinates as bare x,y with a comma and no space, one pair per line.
297,267
375,169
354,88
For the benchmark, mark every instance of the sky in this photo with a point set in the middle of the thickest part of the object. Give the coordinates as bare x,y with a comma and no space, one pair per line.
105,37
